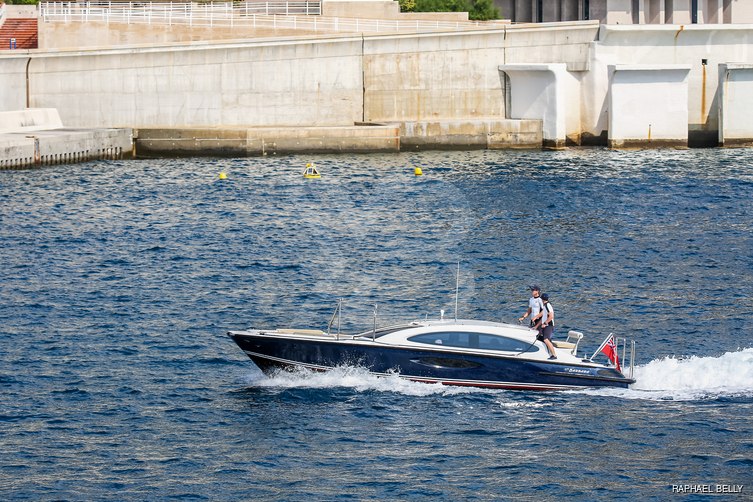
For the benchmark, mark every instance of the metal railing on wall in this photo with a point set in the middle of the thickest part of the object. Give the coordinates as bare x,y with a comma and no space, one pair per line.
302,15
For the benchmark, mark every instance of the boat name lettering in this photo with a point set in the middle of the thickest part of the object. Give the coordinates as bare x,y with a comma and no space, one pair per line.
576,370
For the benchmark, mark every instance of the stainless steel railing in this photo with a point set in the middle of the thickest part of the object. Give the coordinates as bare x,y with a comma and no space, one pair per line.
337,314
624,342
297,15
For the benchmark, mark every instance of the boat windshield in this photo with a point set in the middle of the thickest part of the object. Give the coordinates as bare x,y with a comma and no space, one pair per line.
386,330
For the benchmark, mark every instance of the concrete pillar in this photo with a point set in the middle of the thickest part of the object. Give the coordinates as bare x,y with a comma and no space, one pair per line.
506,9
550,11
678,11
570,10
648,105
518,11
655,12
639,11
710,12
735,97
739,12
619,12
544,92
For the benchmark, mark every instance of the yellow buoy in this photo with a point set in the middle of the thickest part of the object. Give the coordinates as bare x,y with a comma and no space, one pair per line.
223,176
311,172
418,172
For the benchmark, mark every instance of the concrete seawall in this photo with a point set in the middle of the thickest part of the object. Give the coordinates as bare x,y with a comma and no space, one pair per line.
576,83
238,141
438,89
266,140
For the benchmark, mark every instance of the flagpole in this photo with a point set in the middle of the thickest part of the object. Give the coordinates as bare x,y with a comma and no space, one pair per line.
601,346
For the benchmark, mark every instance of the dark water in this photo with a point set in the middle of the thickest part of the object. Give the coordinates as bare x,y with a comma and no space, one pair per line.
119,280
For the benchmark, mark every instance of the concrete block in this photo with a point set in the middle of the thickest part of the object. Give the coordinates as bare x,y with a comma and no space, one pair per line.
267,140
648,105
30,119
364,9
16,151
735,97
463,134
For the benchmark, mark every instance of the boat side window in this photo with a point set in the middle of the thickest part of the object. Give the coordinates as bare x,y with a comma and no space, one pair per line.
447,338
494,342
474,341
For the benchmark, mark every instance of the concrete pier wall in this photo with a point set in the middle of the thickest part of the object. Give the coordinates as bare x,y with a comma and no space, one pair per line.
409,80
437,78
701,47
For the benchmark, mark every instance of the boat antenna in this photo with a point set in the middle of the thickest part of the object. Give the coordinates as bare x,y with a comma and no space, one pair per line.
457,285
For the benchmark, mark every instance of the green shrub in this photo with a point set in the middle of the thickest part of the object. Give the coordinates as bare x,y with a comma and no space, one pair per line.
478,10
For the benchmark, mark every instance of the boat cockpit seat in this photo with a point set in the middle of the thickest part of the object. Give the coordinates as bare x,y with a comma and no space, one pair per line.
571,343
312,332
563,345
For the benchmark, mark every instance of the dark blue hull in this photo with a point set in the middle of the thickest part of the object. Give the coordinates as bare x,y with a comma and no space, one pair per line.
271,352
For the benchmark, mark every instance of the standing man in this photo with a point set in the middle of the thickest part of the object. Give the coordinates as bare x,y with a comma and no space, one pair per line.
535,306
547,326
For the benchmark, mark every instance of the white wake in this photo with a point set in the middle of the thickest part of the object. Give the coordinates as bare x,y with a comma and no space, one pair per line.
358,379
690,378
730,373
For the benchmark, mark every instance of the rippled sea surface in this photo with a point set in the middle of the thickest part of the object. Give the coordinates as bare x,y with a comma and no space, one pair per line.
118,281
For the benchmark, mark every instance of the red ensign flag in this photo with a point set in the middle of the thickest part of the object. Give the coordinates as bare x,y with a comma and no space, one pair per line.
610,349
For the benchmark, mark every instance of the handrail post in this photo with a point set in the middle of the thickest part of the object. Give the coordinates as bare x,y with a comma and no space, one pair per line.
339,318
337,313
632,357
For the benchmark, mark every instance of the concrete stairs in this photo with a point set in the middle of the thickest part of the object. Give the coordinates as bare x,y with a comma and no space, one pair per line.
24,30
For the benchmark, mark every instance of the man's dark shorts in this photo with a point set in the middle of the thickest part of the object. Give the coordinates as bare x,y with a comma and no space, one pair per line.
546,333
